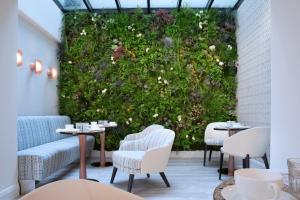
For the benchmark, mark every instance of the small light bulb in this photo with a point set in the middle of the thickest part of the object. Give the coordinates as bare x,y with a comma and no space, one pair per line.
37,67
52,73
19,57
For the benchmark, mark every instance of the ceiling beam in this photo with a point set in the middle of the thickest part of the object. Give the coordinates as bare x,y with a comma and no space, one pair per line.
59,5
148,6
118,5
88,5
238,4
209,4
179,5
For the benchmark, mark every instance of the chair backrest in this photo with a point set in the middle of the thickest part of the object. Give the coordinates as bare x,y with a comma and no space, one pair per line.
78,190
150,129
211,133
159,138
253,141
37,130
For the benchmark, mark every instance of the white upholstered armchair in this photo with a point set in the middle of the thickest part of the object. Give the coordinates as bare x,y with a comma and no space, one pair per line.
149,154
250,143
213,138
143,133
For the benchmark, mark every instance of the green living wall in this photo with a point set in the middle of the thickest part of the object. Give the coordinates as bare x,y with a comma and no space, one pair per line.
172,68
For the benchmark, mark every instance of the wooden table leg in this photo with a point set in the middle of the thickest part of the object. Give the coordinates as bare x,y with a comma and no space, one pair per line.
102,150
231,158
230,165
82,146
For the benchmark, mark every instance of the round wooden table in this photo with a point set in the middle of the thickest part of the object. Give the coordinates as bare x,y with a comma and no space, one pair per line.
82,145
103,162
219,188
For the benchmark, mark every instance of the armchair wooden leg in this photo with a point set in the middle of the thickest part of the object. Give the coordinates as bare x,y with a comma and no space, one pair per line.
205,150
163,176
210,152
130,182
221,165
113,175
266,161
247,161
148,175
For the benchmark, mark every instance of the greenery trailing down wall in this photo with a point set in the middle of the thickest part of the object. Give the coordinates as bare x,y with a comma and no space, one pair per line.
172,68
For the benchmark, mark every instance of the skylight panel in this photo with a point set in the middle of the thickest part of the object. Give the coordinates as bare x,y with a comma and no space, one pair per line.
163,3
72,4
224,3
194,3
103,4
133,3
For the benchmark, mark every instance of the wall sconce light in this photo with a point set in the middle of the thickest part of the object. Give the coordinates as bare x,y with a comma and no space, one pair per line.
19,57
37,67
52,73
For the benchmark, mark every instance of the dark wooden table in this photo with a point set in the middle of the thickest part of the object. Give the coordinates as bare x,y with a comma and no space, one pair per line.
82,145
231,131
103,162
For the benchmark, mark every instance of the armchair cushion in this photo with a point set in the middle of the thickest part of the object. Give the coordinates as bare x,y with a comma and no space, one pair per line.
129,161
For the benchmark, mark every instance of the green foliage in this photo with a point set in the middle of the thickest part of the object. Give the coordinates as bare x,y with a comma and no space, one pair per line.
176,69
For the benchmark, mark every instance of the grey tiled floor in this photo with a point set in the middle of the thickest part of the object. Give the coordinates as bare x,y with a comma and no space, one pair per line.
188,178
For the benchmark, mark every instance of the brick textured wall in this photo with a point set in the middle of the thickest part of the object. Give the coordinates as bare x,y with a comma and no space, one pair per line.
254,70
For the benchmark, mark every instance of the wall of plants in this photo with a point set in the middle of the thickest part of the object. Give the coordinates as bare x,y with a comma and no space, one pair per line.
172,68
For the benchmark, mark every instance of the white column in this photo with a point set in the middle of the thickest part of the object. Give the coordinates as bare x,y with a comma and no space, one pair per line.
8,140
285,82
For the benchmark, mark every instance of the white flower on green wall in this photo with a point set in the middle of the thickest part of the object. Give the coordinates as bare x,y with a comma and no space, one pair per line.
155,115
83,32
212,47
179,118
104,91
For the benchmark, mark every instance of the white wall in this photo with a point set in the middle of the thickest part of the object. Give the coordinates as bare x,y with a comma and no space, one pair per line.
285,82
36,94
39,31
45,14
254,70
8,140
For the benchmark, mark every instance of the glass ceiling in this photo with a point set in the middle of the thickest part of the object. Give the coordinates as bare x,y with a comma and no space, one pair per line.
96,5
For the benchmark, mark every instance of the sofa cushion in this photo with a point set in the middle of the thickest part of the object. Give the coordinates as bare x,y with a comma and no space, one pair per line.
37,130
129,161
40,161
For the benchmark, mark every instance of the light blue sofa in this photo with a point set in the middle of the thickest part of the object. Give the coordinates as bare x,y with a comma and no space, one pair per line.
42,151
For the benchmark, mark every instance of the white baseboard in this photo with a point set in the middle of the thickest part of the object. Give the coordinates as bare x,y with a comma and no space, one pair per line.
190,154
174,154
10,193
